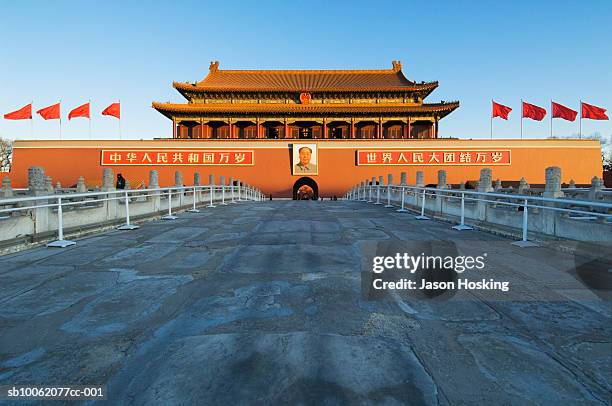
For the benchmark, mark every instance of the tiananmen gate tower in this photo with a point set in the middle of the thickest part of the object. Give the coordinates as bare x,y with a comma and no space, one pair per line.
294,133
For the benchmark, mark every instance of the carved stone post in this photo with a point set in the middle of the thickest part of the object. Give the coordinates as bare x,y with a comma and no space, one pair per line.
553,182
420,179
595,189
36,187
484,186
154,184
81,187
6,190
523,188
403,178
108,185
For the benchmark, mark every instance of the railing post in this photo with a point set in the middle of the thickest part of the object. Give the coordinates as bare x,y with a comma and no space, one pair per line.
403,192
60,243
194,209
223,195
378,194
422,216
524,243
212,192
389,196
127,225
169,216
462,226
370,194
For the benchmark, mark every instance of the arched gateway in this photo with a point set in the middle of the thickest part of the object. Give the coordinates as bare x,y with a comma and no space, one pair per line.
305,188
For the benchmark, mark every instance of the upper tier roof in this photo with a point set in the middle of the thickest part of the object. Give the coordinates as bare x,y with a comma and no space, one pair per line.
304,81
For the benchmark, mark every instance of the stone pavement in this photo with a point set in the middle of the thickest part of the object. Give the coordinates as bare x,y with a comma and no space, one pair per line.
261,303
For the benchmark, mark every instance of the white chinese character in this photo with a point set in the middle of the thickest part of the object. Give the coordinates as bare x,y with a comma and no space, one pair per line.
115,157
481,157
371,157
386,157
162,157
434,158
130,156
208,158
224,158
417,157
239,157
193,158
465,157
177,157
496,156
146,157
449,157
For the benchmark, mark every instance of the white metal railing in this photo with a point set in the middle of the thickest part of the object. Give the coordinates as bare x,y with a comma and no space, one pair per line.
576,206
59,202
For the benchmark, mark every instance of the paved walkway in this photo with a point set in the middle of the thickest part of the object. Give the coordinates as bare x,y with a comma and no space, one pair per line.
261,303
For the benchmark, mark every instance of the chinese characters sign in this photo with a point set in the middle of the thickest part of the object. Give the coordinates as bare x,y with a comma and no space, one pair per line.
433,157
177,157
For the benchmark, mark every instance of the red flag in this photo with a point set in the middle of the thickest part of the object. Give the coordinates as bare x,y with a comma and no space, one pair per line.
24,113
113,110
593,112
50,113
499,110
81,111
533,112
560,111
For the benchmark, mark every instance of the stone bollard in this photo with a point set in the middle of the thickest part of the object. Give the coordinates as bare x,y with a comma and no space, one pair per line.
197,178
572,184
49,185
390,179
381,180
403,178
108,180
552,189
595,189
153,179
58,187
211,179
108,184
498,185
154,184
485,184
178,179
442,179
523,188
36,187
238,189
81,187
553,182
6,191
420,179
36,180
462,185
222,180
127,186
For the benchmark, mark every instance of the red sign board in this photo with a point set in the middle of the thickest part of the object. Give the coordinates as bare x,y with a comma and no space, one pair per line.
173,157
433,157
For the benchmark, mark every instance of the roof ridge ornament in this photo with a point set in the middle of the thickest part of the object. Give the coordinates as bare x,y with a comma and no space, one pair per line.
397,66
214,67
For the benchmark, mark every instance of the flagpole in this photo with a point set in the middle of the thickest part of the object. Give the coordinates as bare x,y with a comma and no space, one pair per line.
119,120
89,102
491,119
521,118
551,117
60,119
32,121
580,125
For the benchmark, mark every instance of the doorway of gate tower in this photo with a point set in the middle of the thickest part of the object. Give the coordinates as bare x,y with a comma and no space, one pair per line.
305,188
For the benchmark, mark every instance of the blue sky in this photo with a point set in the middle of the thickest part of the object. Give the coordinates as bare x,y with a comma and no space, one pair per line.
132,51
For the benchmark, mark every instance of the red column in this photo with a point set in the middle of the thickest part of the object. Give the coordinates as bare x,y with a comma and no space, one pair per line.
436,124
380,129
173,127
286,129
231,132
352,128
258,127
409,129
324,128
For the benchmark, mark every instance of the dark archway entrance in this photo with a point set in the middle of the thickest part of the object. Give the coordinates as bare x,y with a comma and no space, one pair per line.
305,188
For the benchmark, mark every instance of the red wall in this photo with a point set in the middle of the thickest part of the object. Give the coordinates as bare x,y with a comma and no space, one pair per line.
65,161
